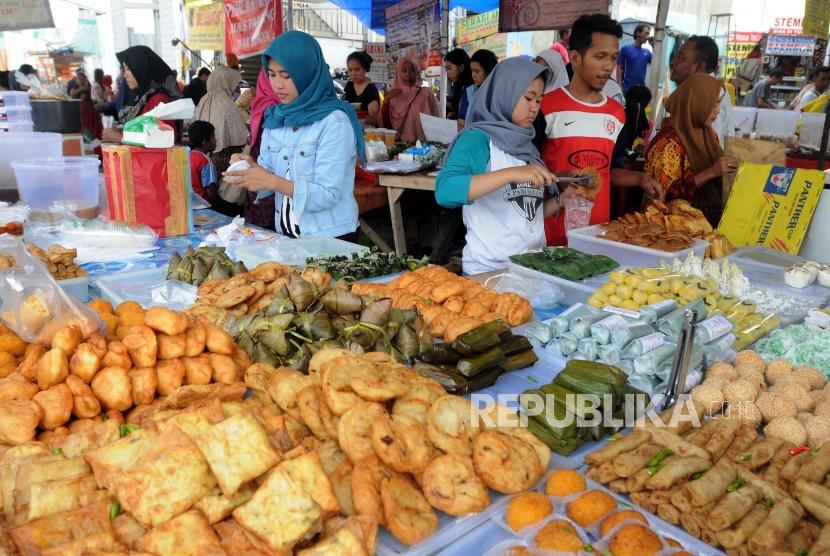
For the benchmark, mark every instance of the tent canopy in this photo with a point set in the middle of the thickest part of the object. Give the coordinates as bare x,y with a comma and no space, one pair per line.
371,12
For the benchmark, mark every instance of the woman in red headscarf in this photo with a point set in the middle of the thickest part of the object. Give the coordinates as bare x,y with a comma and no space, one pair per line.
260,213
408,99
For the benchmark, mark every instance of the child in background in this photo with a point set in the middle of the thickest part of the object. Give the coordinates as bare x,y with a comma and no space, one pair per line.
203,174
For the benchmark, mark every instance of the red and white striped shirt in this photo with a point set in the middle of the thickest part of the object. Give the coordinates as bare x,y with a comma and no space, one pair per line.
580,135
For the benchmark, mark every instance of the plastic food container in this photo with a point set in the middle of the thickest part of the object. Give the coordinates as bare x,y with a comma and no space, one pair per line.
574,292
776,123
588,240
16,127
15,114
68,181
131,286
293,251
24,145
810,132
744,119
14,98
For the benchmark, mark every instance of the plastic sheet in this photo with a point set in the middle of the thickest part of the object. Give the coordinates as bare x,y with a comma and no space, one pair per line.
539,294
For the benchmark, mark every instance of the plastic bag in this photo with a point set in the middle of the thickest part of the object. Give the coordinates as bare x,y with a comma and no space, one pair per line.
32,303
540,294
174,295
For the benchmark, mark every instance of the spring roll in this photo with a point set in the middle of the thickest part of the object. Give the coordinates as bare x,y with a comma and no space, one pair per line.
667,512
677,468
791,469
637,482
771,491
603,473
722,437
745,437
734,507
620,446
679,446
737,551
803,535
712,485
701,435
641,499
662,496
822,544
630,462
782,455
748,525
781,519
618,486
816,467
681,501
759,454
678,419
815,499
709,537
691,525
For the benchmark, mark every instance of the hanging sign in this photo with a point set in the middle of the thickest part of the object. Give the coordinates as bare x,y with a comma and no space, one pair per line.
413,28
251,25
25,14
790,45
540,15
477,27
204,27
816,18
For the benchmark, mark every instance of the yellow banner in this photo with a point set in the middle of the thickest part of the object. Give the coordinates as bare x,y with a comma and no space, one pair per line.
772,206
477,26
816,18
205,29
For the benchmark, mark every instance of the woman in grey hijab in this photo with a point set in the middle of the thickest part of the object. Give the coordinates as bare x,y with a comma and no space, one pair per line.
495,173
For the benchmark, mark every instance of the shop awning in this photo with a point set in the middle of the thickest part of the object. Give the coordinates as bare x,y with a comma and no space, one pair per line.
371,12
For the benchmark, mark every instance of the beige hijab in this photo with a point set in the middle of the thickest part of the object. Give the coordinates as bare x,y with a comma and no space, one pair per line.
218,108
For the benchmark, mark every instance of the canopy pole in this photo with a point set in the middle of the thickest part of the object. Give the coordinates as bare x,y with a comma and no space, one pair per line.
445,47
657,53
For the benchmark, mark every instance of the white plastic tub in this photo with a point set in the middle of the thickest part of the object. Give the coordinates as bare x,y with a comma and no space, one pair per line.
16,127
776,123
24,145
15,114
744,118
70,181
588,240
14,98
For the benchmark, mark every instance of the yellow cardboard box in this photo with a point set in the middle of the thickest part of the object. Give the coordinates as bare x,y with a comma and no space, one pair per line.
772,206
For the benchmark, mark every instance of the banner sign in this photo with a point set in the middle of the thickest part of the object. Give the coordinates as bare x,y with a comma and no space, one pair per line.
790,45
477,27
204,27
413,28
540,15
380,62
25,14
738,48
772,206
786,26
251,25
816,18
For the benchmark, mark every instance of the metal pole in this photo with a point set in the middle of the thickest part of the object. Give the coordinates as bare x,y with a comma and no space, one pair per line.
445,47
657,53
824,133
290,15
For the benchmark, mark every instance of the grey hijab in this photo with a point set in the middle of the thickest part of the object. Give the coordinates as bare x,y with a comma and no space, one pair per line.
492,108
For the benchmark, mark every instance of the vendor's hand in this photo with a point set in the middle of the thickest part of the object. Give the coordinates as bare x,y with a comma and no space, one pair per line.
651,186
538,176
256,178
236,157
724,165
111,135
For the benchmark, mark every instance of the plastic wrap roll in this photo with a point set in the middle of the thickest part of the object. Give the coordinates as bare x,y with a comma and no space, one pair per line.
581,326
568,343
643,345
588,346
601,331
562,322
649,362
622,335
609,354
652,313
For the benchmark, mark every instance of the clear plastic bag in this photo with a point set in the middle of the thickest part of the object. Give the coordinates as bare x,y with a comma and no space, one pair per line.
540,294
32,303
174,295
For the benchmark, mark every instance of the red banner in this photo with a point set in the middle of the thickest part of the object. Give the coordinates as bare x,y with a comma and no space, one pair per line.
251,25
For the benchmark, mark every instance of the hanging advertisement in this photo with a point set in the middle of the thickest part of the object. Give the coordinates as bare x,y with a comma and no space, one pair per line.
86,34
380,62
816,17
738,48
790,45
204,27
540,15
482,32
251,25
413,28
25,14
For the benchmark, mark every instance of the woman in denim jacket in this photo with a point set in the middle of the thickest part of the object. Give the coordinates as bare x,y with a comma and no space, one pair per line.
309,144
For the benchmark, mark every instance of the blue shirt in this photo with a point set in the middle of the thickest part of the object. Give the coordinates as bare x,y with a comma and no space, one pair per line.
320,160
633,62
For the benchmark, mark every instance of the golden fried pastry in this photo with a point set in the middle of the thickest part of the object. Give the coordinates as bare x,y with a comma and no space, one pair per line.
85,362
401,442
417,401
618,517
128,307
451,485
111,324
526,509
408,515
171,347
379,382
354,431
166,321
68,338
591,506
198,370
217,340
19,420
52,368
84,403
225,370
16,387
559,535
117,356
142,345
11,343
453,424
113,388
564,482
365,487
505,463
8,364
285,389
170,375
56,403
335,380
309,405
101,306
341,485
635,540
459,326
144,384
194,338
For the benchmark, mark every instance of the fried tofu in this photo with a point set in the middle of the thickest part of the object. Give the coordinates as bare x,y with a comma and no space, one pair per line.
342,542
194,421
127,529
111,461
51,497
216,506
43,470
237,541
9,463
61,528
308,472
93,544
185,535
237,450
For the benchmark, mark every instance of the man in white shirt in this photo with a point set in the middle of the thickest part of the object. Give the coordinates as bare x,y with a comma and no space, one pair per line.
699,54
813,90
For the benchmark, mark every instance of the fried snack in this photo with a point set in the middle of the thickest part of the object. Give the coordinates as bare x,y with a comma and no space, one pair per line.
16,387
310,404
216,506
365,488
315,364
171,347
195,338
225,370
198,370
564,482
453,424
8,364
526,509
400,442
142,345
354,431
379,382
117,356
336,383
11,343
67,338
237,451
52,368
170,375
451,485
39,535
341,485
417,401
341,541
617,518
28,367
19,420
285,387
560,536
56,403
590,507
85,362
144,384
113,388
101,306
84,403
635,540
408,515
186,534
217,340
505,463
166,321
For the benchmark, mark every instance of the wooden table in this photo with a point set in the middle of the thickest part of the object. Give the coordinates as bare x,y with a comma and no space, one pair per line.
396,185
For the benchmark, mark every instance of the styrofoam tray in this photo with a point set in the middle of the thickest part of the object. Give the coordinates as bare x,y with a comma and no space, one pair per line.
292,251
574,292
588,240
